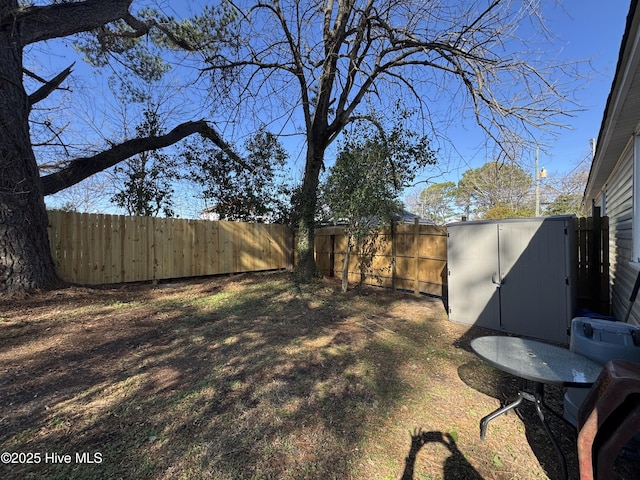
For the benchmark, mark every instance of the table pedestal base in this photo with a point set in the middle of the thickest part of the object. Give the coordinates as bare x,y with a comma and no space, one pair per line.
535,395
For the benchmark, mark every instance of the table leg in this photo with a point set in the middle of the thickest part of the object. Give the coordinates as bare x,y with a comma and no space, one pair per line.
537,397
554,441
485,421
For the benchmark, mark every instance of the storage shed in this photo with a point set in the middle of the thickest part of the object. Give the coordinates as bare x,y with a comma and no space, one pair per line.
517,276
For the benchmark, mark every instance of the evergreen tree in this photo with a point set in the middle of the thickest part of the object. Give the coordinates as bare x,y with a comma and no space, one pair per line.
147,178
363,187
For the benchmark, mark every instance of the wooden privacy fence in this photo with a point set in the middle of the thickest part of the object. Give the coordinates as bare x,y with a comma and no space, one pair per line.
92,249
409,257
593,262
414,257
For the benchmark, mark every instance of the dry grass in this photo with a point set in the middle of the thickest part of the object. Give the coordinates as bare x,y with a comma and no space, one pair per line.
255,377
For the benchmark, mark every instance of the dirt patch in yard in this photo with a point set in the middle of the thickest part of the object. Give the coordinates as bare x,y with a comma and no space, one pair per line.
256,377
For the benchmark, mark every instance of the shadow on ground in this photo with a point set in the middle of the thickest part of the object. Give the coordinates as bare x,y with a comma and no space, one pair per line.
244,379
455,466
249,377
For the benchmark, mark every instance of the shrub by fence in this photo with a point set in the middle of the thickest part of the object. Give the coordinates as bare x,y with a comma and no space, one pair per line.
93,249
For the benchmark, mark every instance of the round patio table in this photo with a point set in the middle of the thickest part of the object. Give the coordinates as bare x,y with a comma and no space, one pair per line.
535,364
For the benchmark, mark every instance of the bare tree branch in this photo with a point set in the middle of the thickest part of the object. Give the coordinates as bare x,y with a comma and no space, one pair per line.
56,134
49,86
33,75
35,23
80,168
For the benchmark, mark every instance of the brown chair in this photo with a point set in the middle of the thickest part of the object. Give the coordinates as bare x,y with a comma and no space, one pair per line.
608,418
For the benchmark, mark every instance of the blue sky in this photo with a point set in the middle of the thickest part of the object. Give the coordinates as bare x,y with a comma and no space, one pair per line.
585,29
592,29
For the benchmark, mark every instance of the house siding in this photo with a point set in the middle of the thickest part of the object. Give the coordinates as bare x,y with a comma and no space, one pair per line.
611,178
618,193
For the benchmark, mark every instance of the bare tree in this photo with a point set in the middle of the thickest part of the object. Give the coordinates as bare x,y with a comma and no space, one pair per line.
86,196
562,192
322,64
25,261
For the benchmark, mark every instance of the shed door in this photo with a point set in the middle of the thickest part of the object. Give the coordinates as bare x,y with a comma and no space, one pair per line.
473,271
534,279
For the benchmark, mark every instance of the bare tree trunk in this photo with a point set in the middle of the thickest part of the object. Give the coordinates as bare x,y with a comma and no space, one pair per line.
306,268
345,267
25,256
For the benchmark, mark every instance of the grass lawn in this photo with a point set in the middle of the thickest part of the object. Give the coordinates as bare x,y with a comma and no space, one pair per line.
256,377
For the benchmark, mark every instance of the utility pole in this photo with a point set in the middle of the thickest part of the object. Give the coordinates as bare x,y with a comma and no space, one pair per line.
540,173
537,186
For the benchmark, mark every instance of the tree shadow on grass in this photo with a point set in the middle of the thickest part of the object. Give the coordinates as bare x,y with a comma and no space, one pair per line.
267,383
455,466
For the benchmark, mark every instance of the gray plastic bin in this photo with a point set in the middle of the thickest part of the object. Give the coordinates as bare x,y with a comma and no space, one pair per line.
601,341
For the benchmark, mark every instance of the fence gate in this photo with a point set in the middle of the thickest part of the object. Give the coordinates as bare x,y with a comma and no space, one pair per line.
593,262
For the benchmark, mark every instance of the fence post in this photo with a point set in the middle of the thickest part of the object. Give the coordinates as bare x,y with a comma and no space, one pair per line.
332,255
416,254
393,255
595,256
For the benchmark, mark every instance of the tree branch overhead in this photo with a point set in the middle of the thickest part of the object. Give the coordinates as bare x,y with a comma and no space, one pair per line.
49,86
82,168
39,23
